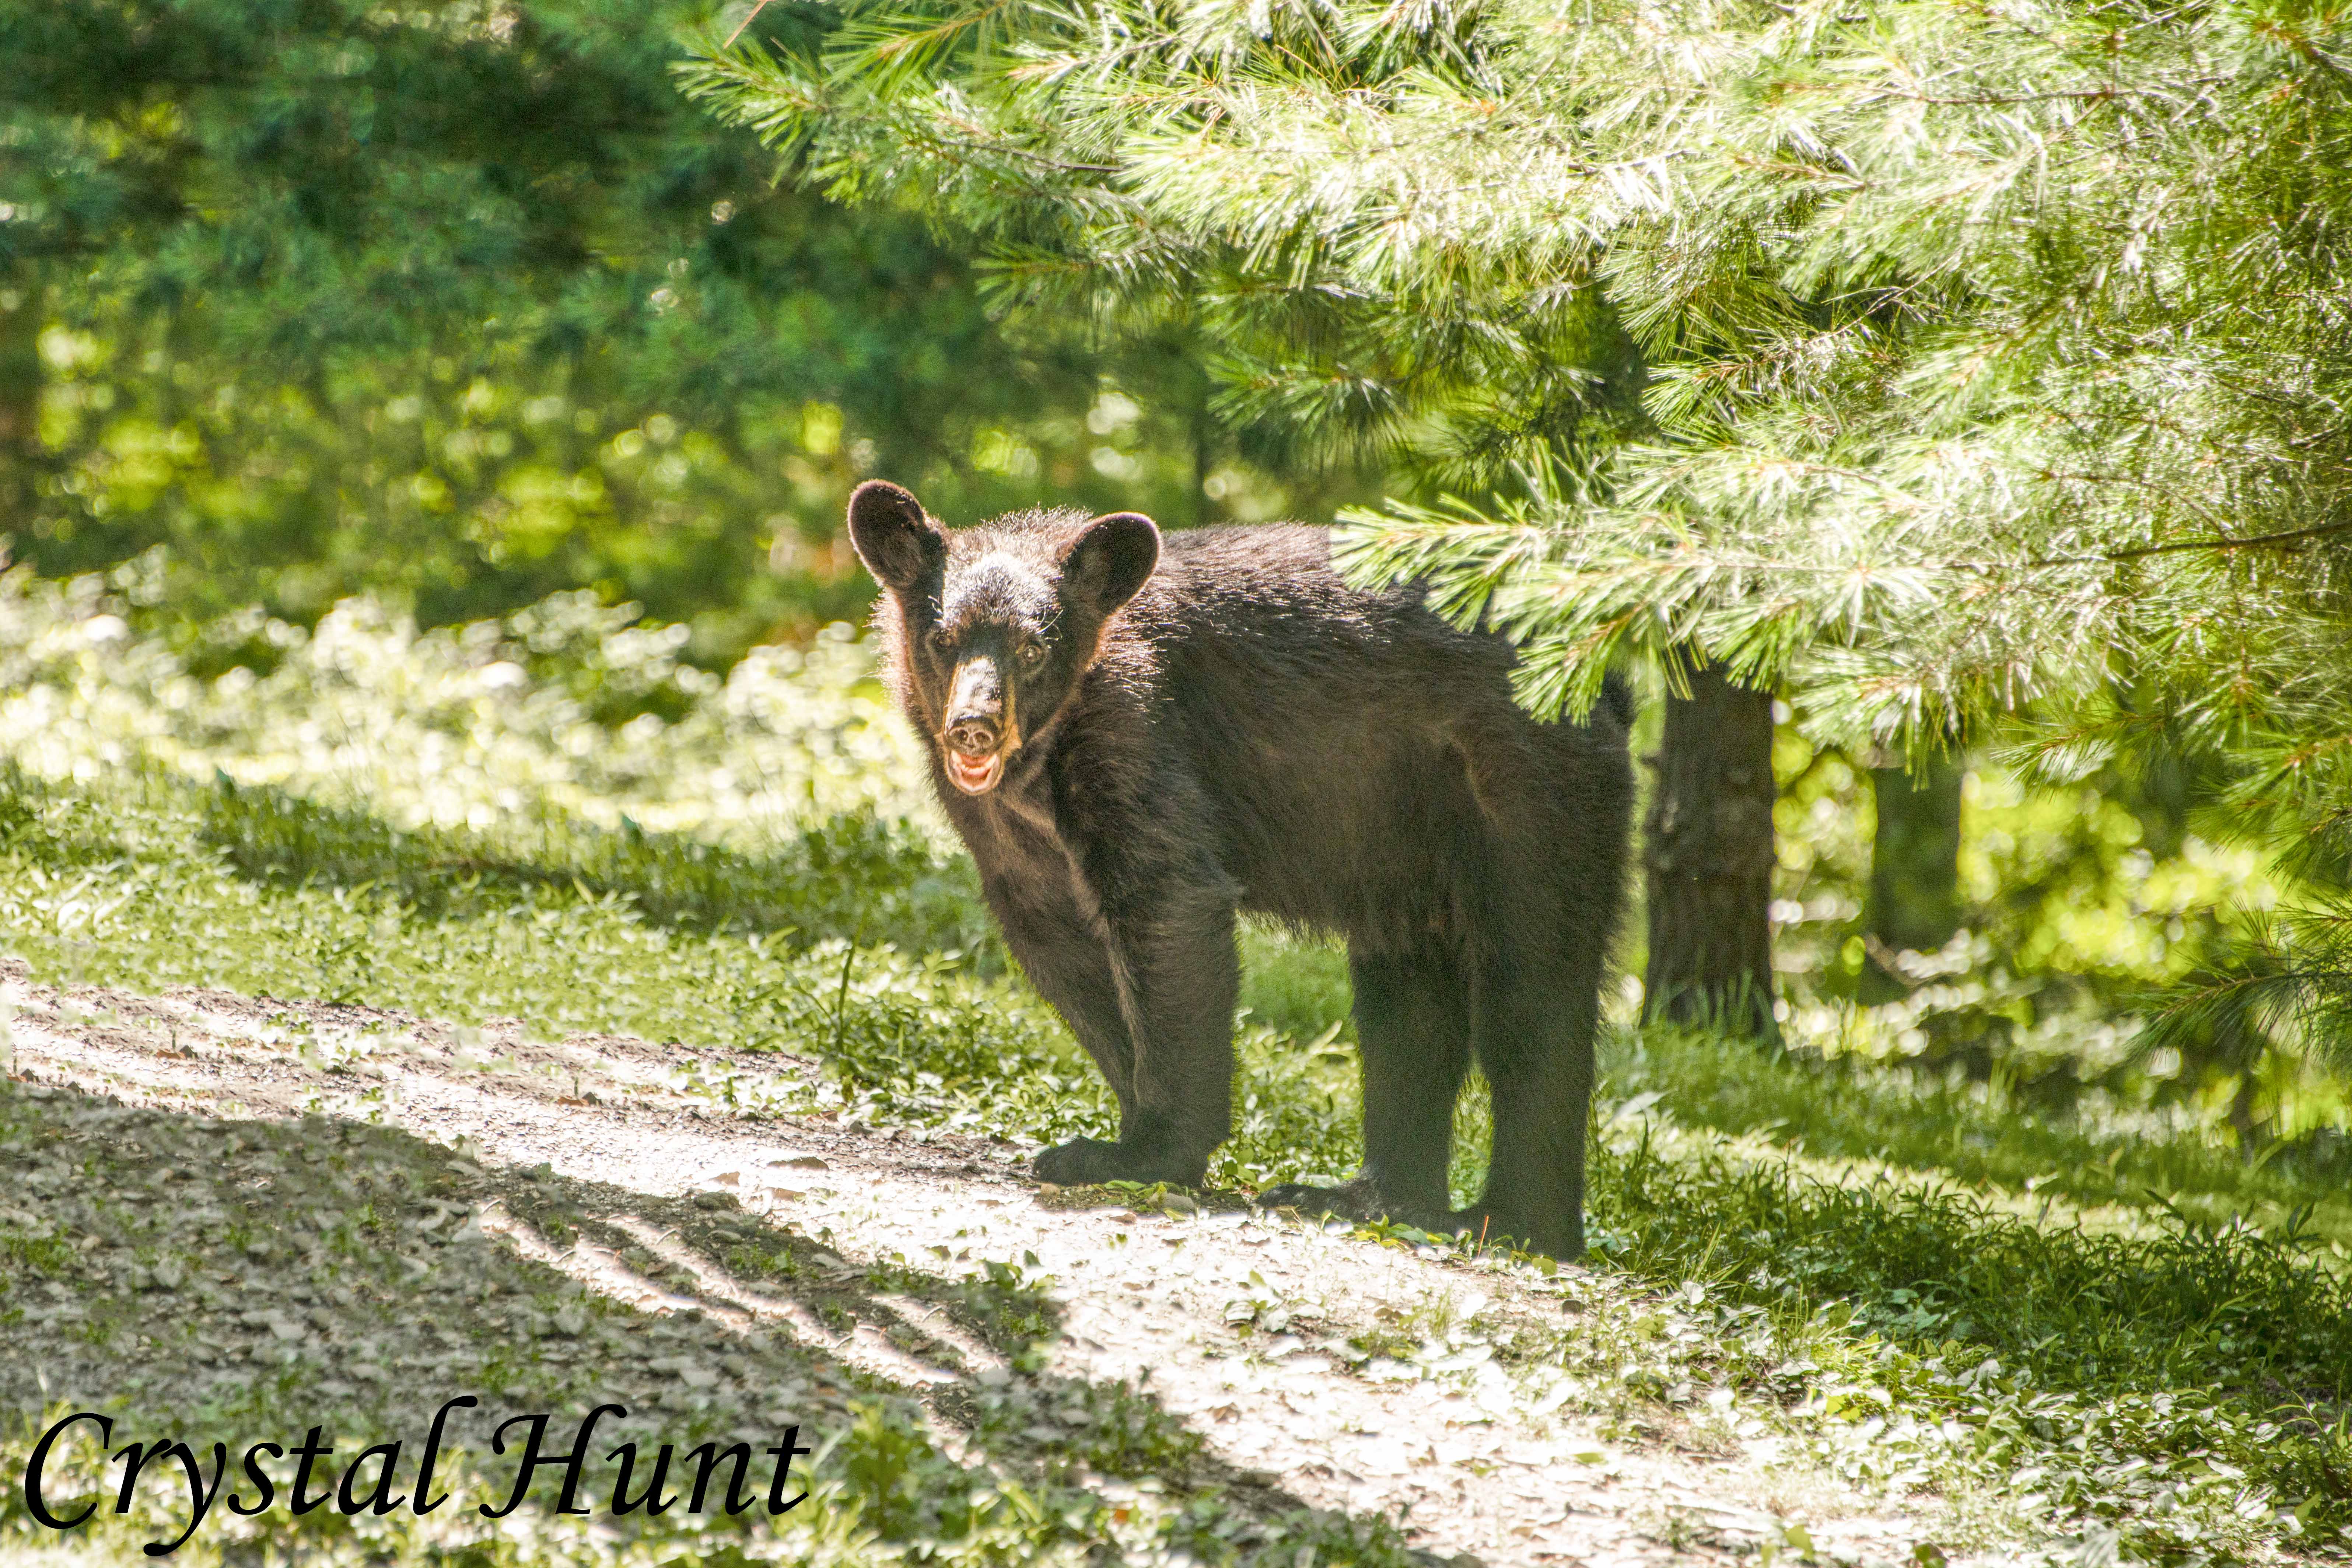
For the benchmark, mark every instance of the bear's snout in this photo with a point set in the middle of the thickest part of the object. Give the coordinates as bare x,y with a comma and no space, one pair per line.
974,737
979,708
978,729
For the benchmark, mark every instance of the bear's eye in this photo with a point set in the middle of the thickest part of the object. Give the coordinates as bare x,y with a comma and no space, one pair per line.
1031,652
938,639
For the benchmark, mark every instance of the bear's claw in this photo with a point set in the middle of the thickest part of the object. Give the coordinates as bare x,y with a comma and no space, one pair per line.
1357,1200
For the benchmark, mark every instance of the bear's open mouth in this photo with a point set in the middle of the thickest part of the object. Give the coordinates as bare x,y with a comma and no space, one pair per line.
975,775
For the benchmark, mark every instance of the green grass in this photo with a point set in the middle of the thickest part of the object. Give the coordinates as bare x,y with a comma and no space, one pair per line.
1841,1110
853,879
1873,1256
2198,1346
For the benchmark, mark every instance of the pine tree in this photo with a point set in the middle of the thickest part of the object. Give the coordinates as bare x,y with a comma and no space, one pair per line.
1708,859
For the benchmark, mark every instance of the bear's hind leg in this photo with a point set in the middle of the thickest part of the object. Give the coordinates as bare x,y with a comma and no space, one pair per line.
1535,1011
1540,896
1412,1029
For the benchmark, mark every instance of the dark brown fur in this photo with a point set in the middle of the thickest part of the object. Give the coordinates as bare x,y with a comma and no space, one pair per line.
1247,732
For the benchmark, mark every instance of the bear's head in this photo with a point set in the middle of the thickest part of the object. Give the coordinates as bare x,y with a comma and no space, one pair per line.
995,626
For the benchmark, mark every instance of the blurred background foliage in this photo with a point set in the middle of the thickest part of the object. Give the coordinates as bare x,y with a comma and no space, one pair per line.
463,305
324,326
2071,920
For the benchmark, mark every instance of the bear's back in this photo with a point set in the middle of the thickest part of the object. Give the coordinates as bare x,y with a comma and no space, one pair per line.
1333,730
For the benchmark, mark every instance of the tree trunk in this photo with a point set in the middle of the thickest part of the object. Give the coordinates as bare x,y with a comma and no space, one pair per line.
1914,869
1707,853
20,395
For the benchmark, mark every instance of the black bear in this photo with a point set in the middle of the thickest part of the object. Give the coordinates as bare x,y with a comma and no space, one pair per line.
1139,739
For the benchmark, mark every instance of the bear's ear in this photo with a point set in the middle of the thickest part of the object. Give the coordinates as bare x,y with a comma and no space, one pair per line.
1107,563
899,544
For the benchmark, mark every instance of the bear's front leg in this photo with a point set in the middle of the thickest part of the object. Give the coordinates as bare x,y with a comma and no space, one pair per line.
1151,1000
1166,942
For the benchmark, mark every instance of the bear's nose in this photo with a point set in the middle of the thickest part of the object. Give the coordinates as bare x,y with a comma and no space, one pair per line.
974,737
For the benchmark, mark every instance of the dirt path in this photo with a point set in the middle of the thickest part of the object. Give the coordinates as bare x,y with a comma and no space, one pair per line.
1236,1323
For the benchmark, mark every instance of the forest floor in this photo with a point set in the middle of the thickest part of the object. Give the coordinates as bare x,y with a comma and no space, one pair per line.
618,1166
